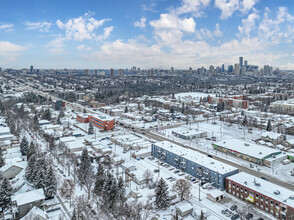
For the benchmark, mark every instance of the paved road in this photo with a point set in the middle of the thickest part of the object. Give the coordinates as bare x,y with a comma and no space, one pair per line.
160,138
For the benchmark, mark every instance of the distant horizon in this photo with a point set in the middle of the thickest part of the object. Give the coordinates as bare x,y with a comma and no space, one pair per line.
155,34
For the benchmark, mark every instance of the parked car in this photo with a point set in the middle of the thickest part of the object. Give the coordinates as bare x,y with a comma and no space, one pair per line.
156,170
213,138
234,217
224,211
177,171
209,155
249,216
264,178
229,213
234,207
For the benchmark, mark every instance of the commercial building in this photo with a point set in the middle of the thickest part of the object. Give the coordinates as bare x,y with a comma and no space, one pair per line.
247,151
196,164
232,101
189,134
263,194
101,121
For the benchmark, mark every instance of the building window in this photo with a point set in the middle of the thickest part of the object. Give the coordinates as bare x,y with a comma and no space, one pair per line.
256,195
261,198
245,190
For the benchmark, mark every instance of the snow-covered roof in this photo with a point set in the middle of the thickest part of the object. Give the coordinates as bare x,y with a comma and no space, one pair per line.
184,206
247,148
28,197
196,157
4,130
264,187
21,164
271,135
34,212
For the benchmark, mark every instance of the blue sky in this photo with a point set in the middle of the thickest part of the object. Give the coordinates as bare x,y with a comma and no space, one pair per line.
148,34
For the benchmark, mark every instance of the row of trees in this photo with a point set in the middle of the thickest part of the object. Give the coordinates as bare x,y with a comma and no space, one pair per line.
40,173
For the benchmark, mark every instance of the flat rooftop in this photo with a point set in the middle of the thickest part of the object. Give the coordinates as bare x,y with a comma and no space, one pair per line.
266,188
196,157
247,148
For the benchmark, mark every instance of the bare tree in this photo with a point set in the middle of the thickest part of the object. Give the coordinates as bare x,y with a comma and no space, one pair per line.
148,176
183,188
67,189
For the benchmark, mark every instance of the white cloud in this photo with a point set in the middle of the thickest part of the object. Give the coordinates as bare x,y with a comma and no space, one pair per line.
141,23
192,6
248,24
9,51
81,47
228,7
81,28
204,33
106,33
41,26
56,46
6,27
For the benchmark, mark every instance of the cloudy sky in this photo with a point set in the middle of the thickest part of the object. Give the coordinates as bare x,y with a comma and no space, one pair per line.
145,33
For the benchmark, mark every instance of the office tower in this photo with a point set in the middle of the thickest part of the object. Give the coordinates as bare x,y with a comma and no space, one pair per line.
0,69
237,68
96,72
243,70
245,63
32,69
230,68
211,68
241,62
121,72
111,72
87,72
223,68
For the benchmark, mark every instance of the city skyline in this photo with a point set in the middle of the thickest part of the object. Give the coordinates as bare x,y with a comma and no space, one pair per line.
148,34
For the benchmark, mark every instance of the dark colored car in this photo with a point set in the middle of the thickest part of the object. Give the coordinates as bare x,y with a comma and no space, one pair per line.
209,155
234,217
264,178
249,216
234,207
156,170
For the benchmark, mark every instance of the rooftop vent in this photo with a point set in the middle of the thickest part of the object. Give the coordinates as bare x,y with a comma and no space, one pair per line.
277,192
246,144
291,197
245,182
260,152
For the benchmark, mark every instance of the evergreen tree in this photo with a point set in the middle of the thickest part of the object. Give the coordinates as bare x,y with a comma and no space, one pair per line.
121,191
61,113
84,111
74,215
51,184
30,168
24,144
109,191
245,121
91,128
126,109
5,194
31,150
39,174
1,159
100,179
36,119
85,167
46,115
269,126
161,195
58,120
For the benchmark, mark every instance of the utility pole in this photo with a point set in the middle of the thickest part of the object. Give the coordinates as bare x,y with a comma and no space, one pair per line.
199,192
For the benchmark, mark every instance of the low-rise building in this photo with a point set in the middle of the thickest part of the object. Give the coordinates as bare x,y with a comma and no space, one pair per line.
194,163
263,194
247,151
24,202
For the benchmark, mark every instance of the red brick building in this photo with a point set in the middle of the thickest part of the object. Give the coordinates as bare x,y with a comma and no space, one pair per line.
263,194
101,121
